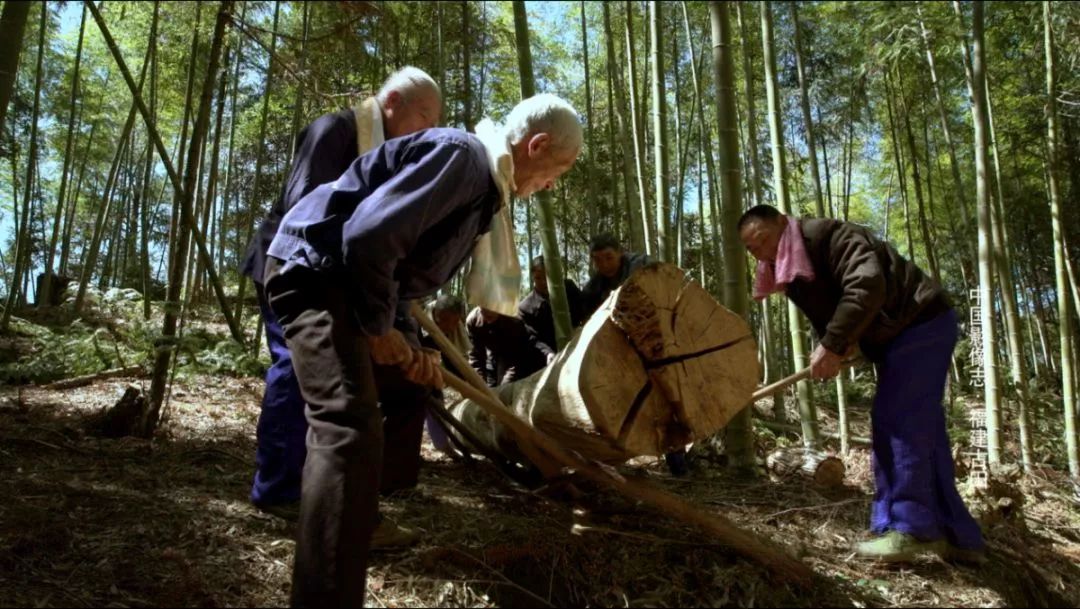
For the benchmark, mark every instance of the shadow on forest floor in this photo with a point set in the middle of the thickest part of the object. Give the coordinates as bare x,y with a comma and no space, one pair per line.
87,521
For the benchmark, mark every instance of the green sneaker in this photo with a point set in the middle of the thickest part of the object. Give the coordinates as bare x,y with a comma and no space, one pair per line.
895,546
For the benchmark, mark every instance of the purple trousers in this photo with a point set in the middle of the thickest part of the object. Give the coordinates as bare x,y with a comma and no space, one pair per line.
913,467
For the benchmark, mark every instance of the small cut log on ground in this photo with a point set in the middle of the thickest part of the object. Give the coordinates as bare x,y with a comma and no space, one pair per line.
821,468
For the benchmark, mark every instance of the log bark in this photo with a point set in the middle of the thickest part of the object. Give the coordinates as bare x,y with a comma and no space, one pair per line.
659,365
82,381
821,468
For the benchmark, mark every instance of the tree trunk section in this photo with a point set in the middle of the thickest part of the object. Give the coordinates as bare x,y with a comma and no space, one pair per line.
1068,387
90,261
592,210
739,436
638,138
68,160
553,263
22,248
637,228
822,469
954,165
466,47
254,201
659,365
12,28
986,268
804,98
186,224
664,241
705,141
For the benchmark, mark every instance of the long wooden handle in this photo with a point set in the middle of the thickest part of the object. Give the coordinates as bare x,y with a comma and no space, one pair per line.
786,382
547,465
448,349
743,542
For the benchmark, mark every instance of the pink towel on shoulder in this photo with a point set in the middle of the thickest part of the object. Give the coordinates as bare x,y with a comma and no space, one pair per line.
792,262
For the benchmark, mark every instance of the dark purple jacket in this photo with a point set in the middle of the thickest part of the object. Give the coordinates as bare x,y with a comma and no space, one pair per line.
324,150
598,287
500,349
397,224
535,311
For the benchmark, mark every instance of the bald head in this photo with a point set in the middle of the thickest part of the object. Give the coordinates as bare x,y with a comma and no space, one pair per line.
544,134
410,102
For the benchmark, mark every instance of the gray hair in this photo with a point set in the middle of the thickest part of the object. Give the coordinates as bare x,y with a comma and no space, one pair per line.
449,302
408,82
545,113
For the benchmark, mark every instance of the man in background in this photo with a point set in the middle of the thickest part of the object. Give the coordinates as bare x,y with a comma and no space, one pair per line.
500,347
535,311
448,313
612,266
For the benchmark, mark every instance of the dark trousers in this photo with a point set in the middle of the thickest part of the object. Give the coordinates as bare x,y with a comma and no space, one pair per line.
282,427
339,497
913,467
344,458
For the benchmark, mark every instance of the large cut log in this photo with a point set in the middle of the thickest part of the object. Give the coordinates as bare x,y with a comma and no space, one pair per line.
659,365
823,469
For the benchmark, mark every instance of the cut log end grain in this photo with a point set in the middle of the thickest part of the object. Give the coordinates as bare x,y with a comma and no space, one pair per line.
659,365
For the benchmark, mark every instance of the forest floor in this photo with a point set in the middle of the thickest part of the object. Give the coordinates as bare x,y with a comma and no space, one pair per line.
88,521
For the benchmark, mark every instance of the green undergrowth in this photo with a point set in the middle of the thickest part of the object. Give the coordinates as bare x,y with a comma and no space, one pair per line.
42,346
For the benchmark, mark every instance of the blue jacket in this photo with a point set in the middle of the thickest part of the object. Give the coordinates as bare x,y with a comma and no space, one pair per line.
397,224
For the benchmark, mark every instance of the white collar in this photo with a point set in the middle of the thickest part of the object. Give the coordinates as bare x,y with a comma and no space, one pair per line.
378,134
499,157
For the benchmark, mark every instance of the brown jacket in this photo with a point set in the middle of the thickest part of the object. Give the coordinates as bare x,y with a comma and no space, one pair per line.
864,291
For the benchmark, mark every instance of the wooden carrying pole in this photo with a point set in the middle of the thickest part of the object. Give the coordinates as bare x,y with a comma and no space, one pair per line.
547,465
786,382
746,544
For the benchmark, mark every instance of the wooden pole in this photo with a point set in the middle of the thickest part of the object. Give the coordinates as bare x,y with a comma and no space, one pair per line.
548,466
743,542
786,382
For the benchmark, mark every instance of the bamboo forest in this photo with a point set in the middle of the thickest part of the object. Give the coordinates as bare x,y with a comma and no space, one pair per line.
811,339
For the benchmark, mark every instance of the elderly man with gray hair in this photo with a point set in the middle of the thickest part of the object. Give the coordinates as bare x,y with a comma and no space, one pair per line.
396,225
408,102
